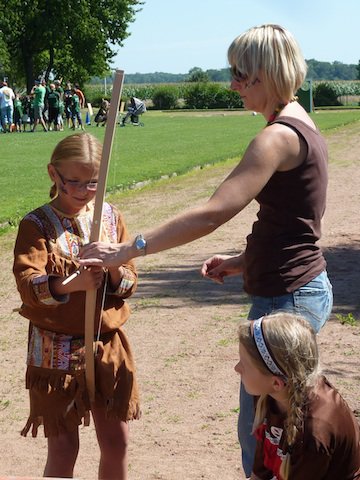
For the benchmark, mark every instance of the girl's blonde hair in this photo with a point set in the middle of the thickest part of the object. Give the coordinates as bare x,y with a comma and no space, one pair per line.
291,342
273,51
81,148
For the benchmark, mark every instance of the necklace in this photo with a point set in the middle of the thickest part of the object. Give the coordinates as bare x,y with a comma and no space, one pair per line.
278,109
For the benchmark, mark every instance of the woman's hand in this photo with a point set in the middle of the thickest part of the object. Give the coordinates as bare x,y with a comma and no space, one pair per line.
104,254
220,266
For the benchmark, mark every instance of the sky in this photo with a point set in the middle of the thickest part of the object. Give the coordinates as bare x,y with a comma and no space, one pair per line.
174,36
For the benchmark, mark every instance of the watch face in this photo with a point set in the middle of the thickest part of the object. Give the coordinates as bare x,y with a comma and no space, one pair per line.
140,243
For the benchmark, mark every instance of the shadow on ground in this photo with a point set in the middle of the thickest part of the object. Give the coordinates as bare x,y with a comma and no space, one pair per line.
343,265
184,282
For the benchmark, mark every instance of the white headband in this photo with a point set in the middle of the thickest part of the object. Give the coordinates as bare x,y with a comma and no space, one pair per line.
263,350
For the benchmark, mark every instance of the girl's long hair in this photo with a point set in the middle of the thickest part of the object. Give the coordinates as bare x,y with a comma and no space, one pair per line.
292,343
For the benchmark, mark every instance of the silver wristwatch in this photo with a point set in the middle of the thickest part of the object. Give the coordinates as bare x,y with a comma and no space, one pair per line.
140,244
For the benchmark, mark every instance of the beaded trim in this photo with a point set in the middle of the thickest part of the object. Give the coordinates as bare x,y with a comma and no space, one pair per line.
263,350
278,109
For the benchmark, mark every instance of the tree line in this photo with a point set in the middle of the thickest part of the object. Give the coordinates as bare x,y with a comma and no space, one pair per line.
317,70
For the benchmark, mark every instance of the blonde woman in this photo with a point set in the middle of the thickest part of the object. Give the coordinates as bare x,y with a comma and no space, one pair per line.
284,169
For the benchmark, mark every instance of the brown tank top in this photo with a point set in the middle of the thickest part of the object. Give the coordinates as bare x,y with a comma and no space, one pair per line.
282,252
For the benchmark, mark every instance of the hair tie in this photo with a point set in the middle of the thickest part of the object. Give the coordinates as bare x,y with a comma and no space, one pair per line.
263,350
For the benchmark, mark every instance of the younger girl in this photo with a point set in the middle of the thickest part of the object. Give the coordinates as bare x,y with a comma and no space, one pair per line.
46,252
303,427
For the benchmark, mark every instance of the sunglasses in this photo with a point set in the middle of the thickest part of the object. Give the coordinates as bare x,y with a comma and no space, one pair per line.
241,77
237,75
75,184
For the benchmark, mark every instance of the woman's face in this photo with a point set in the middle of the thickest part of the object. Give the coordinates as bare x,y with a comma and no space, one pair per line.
251,91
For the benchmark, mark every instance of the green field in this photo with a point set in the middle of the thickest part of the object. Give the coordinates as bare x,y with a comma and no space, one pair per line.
168,143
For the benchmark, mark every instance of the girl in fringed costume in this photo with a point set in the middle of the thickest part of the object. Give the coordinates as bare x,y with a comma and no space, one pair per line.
45,256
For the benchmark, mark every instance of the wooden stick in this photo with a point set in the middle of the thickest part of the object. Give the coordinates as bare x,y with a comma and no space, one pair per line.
90,302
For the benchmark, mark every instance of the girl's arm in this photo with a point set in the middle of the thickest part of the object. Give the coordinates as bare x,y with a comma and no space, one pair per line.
35,285
268,152
29,268
89,278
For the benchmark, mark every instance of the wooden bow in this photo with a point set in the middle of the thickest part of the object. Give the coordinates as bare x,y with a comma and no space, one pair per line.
90,301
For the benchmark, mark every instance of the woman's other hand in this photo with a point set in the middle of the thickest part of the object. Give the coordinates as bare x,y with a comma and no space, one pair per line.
220,266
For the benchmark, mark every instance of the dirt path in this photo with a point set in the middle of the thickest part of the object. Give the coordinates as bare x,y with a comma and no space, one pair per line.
183,332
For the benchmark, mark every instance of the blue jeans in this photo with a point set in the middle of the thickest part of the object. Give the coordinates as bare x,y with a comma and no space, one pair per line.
314,302
7,116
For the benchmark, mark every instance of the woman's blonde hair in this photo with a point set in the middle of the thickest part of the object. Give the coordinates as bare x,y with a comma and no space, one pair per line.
273,51
81,148
291,342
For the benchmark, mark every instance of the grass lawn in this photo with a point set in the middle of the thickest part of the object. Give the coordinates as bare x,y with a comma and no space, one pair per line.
168,143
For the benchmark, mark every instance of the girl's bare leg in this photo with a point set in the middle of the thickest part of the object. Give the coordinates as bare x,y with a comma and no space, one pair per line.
112,436
62,454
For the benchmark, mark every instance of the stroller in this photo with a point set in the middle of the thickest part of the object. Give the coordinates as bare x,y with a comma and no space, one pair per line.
101,116
136,108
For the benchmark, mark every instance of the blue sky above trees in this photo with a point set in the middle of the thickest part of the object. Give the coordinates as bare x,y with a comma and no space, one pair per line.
176,35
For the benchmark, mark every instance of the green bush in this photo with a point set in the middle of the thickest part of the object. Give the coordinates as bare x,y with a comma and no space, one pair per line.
211,95
234,99
194,96
165,98
169,96
95,93
341,87
325,95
